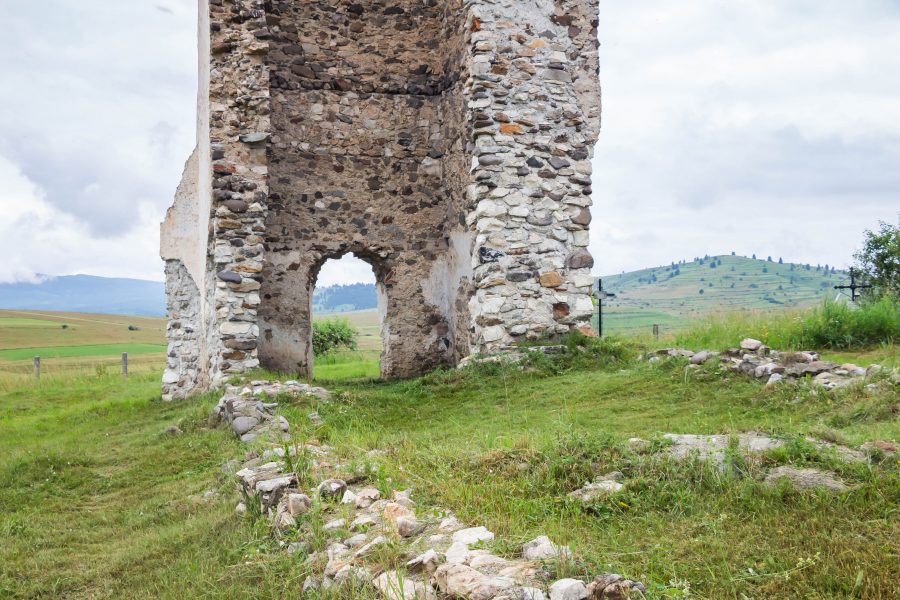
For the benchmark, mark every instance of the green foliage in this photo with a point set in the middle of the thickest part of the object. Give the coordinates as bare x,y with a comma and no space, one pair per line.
831,325
330,335
879,259
836,325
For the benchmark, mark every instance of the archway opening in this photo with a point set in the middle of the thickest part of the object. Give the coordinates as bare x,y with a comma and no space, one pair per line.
347,314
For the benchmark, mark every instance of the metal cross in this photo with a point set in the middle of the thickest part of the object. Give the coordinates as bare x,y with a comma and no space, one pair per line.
853,286
601,296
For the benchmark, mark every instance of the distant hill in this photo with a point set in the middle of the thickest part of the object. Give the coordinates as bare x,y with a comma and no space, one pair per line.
670,295
86,293
344,298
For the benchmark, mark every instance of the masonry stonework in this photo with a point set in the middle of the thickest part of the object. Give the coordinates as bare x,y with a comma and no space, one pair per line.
447,143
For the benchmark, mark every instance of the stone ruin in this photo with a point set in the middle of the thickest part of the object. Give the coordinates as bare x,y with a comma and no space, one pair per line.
446,143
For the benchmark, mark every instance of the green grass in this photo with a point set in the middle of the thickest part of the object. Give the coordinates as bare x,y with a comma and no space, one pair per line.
11,322
361,364
81,351
830,326
97,502
45,329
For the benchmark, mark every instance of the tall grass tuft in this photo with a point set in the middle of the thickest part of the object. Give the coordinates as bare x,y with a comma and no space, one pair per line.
832,325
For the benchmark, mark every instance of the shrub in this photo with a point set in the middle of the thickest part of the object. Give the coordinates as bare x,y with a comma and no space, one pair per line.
333,334
838,325
133,328
879,259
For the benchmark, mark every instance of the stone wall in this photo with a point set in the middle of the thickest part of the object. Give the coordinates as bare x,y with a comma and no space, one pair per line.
447,143
185,347
531,184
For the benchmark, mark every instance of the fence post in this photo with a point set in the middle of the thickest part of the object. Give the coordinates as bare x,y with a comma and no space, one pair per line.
656,332
124,365
37,367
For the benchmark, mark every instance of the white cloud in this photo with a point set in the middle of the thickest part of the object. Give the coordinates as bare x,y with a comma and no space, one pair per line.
348,269
761,126
47,241
751,125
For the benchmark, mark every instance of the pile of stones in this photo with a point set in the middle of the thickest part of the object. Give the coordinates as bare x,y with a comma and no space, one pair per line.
443,558
712,449
251,417
757,360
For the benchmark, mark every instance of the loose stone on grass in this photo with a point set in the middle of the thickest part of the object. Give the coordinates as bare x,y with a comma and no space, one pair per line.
806,479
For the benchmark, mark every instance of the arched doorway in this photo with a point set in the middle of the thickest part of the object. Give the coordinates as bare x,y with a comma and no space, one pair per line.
345,298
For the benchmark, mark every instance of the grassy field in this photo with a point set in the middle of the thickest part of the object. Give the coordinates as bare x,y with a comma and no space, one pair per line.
98,502
74,342
673,297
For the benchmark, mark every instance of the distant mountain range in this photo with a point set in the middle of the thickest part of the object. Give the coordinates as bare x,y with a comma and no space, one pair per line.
343,298
86,293
666,294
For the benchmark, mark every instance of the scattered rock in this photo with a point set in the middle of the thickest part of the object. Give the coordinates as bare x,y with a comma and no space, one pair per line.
568,589
311,584
370,547
614,587
334,525
332,488
363,522
712,447
461,581
702,357
472,536
409,527
751,345
806,479
639,445
366,497
427,561
887,448
466,573
600,488
542,548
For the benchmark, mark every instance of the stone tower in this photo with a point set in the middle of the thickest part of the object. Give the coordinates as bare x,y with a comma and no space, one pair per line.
448,143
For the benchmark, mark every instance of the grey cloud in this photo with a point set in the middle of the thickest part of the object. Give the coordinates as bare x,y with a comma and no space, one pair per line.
711,168
98,105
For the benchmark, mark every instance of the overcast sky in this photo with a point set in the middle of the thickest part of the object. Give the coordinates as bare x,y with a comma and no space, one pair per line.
756,126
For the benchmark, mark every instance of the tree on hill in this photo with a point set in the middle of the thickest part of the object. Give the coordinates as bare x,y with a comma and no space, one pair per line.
780,261
754,257
879,259
769,259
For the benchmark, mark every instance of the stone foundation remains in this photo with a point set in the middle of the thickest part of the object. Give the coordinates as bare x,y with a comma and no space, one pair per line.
446,143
